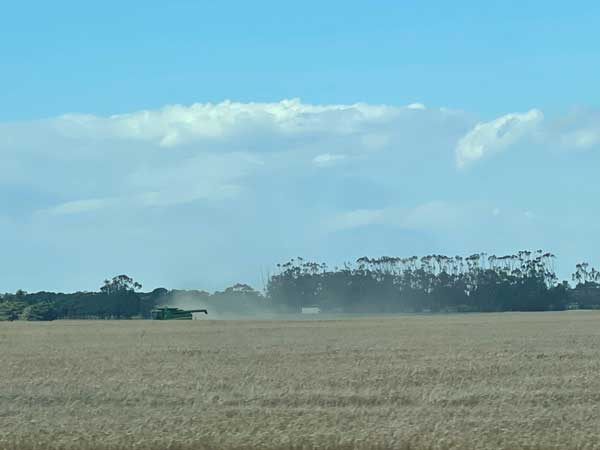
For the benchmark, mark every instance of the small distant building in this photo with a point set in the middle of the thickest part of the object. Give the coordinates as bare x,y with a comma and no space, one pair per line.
311,310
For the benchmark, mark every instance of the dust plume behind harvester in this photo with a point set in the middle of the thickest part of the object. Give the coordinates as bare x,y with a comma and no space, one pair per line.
168,313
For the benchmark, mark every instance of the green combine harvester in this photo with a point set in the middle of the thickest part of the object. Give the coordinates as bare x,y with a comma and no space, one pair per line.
166,313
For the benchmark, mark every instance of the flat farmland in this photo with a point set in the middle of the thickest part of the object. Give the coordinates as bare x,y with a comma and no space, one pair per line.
482,381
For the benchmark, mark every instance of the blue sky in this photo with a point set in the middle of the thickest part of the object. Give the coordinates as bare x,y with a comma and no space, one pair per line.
108,57
196,144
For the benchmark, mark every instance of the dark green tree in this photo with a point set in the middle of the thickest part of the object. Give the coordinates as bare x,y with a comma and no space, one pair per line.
120,284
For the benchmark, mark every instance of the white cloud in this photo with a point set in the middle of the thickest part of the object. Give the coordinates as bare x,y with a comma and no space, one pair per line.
215,152
230,181
490,137
82,206
434,215
375,141
180,154
177,124
327,159
206,177
356,218
582,139
579,130
202,177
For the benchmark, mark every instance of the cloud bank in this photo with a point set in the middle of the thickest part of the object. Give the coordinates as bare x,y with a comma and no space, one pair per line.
207,194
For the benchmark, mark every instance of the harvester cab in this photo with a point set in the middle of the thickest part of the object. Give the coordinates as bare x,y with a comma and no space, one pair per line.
167,313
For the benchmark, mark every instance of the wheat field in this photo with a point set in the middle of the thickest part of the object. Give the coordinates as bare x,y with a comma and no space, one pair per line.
481,381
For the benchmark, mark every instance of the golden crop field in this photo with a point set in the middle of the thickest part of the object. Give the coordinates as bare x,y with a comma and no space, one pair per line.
483,381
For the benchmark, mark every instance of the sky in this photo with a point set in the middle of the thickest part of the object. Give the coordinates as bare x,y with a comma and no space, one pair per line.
197,144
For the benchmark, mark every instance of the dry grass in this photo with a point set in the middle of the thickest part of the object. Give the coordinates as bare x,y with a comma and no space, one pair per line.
496,381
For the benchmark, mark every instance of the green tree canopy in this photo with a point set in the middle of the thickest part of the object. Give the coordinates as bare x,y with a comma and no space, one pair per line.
120,284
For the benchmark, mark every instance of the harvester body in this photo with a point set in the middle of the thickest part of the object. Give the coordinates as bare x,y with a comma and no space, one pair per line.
167,313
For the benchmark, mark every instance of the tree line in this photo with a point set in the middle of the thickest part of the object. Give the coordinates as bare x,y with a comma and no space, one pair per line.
525,281
121,298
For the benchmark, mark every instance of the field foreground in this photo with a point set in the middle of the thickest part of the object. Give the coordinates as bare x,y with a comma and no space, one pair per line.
486,381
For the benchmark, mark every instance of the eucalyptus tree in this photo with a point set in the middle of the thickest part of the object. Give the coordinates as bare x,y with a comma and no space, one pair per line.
119,284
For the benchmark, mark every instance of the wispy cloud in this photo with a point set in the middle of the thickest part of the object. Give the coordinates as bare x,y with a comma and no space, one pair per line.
82,206
432,215
327,159
356,218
